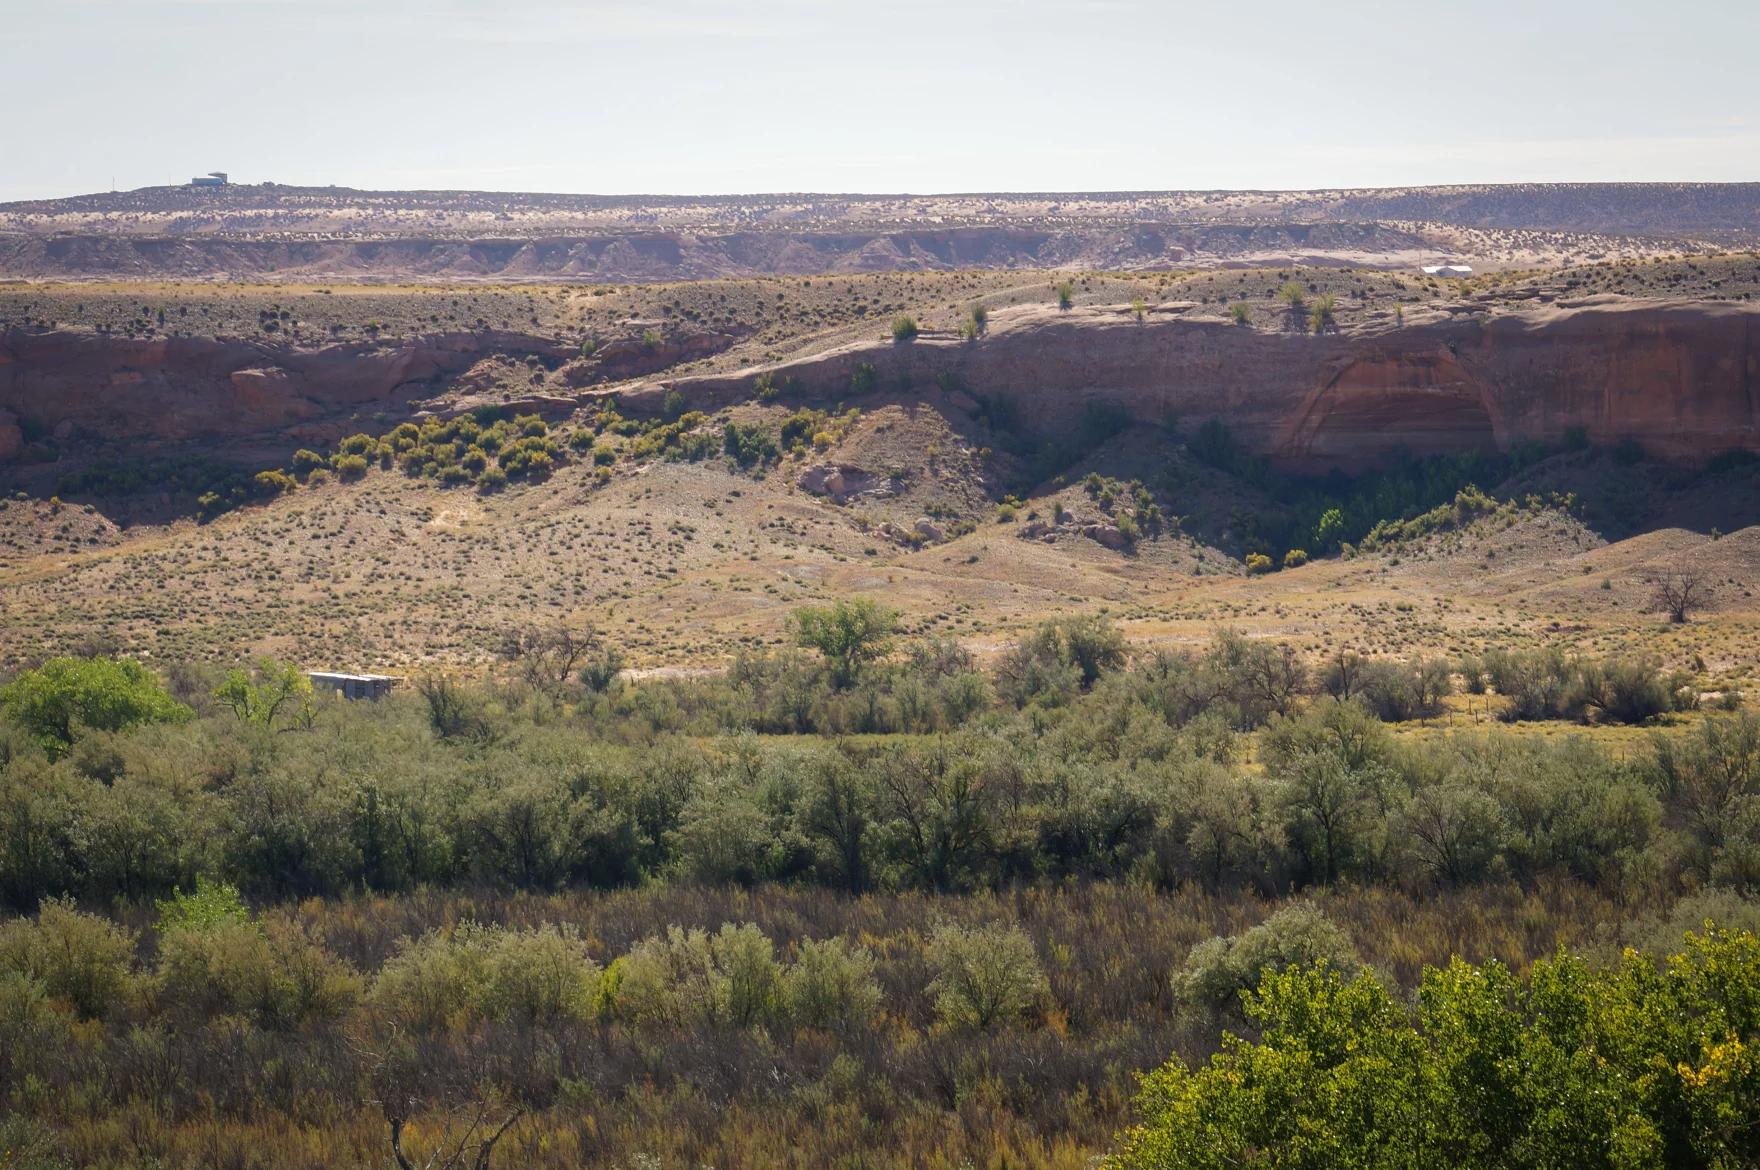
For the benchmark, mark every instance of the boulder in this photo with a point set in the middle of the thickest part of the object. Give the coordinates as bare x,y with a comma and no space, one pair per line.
1106,534
843,482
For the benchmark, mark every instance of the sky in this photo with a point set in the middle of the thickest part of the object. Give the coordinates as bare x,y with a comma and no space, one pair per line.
694,97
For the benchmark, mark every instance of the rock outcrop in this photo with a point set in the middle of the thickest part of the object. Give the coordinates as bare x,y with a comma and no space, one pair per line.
1680,378
82,385
844,482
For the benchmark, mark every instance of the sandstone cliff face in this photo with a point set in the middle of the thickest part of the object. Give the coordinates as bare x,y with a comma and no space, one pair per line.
1683,379
88,386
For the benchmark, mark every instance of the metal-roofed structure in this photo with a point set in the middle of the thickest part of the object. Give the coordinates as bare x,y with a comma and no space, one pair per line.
353,686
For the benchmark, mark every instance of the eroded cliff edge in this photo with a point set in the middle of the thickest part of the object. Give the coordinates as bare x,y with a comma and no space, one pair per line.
1680,377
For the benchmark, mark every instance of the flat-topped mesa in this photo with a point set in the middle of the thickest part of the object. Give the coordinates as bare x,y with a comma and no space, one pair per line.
1680,378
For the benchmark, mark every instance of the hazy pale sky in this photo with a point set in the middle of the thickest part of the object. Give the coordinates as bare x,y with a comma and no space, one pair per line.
693,97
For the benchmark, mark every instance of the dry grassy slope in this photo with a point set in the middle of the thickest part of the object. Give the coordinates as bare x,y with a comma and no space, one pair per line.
682,563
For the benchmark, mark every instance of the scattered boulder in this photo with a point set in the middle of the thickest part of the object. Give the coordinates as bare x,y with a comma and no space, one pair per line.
927,529
843,482
1106,534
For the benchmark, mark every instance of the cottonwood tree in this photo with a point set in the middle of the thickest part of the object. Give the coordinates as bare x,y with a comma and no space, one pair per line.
849,634
272,693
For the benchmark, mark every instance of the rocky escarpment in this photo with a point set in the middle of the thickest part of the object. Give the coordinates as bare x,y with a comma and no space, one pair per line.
1682,379
76,385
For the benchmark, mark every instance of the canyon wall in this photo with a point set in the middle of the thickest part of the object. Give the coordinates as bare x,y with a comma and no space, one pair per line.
1681,378
75,385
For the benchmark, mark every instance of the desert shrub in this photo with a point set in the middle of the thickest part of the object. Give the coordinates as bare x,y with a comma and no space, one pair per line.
1060,657
434,981
601,670
690,978
532,977
1258,563
1711,779
274,970
904,328
82,959
272,483
1295,558
1546,684
1632,690
539,976
1220,969
1538,684
1066,293
1400,691
350,467
831,985
749,444
984,976
65,696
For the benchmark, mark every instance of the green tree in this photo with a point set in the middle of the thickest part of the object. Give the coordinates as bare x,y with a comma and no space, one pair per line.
65,695
273,692
984,976
849,634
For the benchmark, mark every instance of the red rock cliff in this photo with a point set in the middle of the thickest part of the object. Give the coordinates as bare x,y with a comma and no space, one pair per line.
1683,379
87,385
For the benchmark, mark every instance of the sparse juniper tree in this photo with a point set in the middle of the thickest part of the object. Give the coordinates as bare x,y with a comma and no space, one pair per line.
849,634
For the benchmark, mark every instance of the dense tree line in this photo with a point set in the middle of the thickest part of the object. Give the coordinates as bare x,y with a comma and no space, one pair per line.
1235,768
